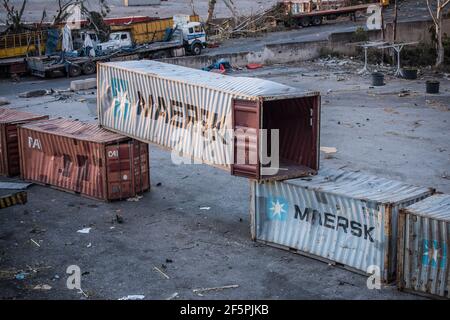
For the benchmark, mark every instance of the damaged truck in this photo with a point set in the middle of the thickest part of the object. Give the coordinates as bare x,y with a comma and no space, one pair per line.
142,40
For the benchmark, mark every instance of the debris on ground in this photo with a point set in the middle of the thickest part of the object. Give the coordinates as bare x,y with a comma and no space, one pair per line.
172,296
85,84
252,66
133,297
404,93
329,152
161,272
84,230
83,293
438,105
135,199
119,219
21,275
221,66
4,101
203,290
37,244
42,287
37,230
14,185
328,149
33,93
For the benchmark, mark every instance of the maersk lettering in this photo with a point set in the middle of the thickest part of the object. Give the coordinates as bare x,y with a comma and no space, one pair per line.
334,222
178,113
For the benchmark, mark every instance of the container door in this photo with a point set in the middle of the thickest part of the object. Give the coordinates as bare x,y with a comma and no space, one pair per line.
245,115
12,146
140,166
120,178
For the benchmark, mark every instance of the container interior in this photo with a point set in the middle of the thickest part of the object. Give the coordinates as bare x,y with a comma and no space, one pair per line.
298,123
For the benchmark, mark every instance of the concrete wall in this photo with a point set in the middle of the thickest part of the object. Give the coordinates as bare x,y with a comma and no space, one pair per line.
414,31
198,62
274,53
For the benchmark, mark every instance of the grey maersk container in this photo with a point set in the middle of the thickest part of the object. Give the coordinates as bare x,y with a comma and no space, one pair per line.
211,118
348,218
424,241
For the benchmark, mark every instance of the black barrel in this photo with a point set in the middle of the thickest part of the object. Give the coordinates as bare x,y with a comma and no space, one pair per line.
377,79
432,86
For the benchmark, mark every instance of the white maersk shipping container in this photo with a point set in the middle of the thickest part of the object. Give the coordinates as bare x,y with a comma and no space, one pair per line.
348,218
424,241
212,118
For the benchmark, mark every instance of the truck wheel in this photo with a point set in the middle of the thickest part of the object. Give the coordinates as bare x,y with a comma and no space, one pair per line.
74,70
88,68
316,21
197,49
304,22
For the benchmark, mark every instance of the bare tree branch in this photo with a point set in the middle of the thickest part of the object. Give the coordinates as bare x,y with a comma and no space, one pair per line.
431,12
445,4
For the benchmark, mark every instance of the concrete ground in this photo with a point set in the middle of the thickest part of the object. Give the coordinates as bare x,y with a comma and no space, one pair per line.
374,130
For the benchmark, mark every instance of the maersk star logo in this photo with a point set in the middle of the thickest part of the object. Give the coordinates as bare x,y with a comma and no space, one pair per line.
277,208
433,253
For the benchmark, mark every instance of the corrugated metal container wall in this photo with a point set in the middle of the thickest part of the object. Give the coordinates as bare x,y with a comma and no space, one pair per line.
345,217
196,112
83,158
9,149
424,241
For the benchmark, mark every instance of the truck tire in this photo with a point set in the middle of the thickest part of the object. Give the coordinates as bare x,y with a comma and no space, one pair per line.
196,49
316,21
304,22
74,70
88,68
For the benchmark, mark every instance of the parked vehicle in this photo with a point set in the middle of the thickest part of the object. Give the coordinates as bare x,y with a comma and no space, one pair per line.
39,51
118,49
192,34
307,13
185,35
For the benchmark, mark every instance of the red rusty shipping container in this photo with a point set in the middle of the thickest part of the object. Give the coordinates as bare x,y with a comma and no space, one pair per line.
83,158
9,149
